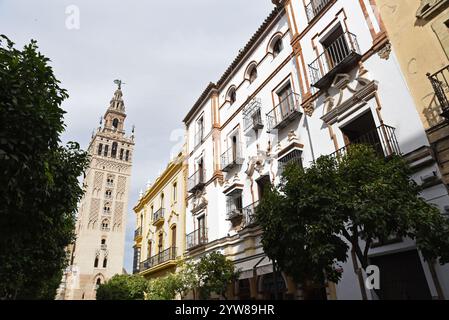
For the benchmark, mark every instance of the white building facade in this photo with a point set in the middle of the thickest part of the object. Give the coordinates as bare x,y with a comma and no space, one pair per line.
314,78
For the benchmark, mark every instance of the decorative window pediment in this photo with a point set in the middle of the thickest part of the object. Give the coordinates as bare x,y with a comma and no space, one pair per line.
430,7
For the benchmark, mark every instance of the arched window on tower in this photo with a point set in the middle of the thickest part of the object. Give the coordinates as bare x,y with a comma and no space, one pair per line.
115,123
127,155
114,150
100,149
106,150
121,154
96,263
105,262
105,225
97,283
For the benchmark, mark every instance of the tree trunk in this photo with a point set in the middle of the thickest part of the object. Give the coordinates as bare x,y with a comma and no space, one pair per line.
275,279
435,279
358,271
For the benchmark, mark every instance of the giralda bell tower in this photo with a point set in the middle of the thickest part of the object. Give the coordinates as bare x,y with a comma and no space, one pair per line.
98,252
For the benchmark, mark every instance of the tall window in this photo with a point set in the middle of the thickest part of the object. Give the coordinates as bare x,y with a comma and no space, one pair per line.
121,154
232,95
105,262
252,74
106,150
127,155
115,123
173,237
114,150
160,243
199,131
162,201
96,262
175,190
100,149
277,48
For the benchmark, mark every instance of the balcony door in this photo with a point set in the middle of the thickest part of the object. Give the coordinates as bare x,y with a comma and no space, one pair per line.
363,131
336,48
201,229
201,171
286,101
263,183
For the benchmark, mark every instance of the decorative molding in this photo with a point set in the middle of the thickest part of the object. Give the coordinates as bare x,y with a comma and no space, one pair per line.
385,51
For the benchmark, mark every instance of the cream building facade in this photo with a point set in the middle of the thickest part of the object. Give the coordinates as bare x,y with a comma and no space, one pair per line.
419,33
98,252
160,214
316,77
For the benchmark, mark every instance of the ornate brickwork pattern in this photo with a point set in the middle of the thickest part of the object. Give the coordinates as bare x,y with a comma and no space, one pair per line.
98,183
118,214
93,216
121,187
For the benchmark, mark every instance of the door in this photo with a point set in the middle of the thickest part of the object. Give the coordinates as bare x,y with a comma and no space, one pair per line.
286,102
402,277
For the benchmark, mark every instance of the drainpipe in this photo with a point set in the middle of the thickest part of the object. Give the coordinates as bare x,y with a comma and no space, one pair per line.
309,135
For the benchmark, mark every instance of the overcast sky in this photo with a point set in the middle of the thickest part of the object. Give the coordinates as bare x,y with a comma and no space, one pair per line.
165,51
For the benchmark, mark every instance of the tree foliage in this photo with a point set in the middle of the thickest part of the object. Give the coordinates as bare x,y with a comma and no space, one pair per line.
215,273
123,287
39,188
313,217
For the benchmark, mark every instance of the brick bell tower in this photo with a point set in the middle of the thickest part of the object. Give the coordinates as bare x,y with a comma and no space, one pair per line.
98,252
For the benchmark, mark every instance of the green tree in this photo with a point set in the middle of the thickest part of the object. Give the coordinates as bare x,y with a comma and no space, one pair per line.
311,216
39,188
123,287
215,274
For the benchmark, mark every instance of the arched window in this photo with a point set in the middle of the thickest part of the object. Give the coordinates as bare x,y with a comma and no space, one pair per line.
103,241
97,283
232,95
115,123
100,149
105,262
114,150
96,263
108,194
105,225
251,74
106,150
127,155
277,47
121,154
107,208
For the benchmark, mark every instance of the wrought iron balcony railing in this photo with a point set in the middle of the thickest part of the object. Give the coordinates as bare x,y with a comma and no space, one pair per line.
382,139
196,238
160,258
252,117
138,232
234,209
340,55
232,157
197,180
285,112
315,7
158,215
199,135
249,214
440,84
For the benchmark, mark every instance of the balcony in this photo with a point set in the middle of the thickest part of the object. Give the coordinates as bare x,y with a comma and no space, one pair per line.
285,112
198,138
340,56
138,233
440,84
158,217
232,158
382,139
234,208
196,238
315,7
197,180
249,217
252,118
159,259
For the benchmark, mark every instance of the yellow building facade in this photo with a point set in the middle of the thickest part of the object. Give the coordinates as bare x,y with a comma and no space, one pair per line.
419,34
159,239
